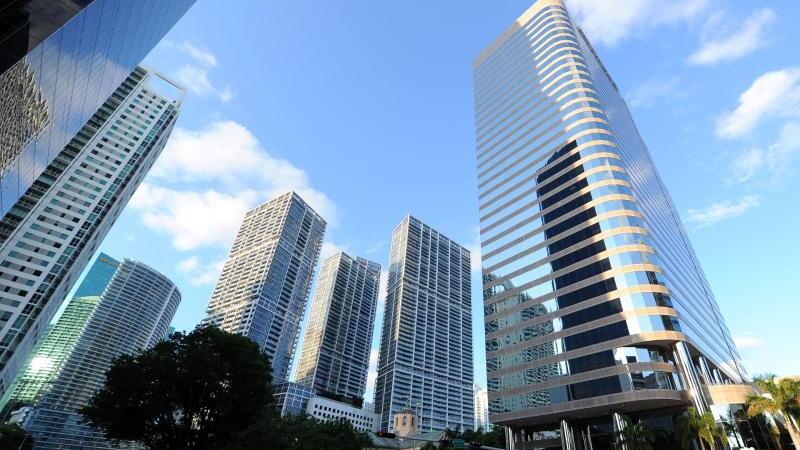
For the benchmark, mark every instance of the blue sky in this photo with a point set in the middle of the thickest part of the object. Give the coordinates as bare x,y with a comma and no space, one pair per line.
365,108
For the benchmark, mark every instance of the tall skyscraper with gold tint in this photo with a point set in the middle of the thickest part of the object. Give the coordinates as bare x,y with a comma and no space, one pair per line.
336,347
594,300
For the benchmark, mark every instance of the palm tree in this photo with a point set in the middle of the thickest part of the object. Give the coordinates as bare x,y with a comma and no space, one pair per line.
780,396
702,427
636,436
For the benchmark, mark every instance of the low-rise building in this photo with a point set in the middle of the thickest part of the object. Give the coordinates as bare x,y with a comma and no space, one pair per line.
326,409
294,398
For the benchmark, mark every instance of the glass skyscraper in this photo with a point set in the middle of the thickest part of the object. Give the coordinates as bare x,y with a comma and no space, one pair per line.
594,300
336,347
48,237
59,61
425,357
263,288
50,354
132,314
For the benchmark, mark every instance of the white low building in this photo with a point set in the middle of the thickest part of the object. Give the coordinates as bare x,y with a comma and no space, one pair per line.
326,409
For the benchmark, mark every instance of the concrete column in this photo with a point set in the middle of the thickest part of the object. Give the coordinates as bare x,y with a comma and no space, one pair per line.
567,438
510,443
717,376
705,370
619,425
690,378
587,441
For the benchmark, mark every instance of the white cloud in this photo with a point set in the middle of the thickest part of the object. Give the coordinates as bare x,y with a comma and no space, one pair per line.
773,164
727,45
774,94
202,56
192,219
188,264
474,247
746,165
717,212
781,154
747,342
329,249
207,274
647,93
196,80
225,94
229,157
611,21
194,73
201,273
383,284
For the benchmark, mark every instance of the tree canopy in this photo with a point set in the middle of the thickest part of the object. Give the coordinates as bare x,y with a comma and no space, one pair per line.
702,427
194,391
782,396
12,437
301,432
635,436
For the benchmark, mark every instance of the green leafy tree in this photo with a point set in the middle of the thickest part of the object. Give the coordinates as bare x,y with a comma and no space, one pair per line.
191,392
782,396
703,427
12,437
301,432
635,436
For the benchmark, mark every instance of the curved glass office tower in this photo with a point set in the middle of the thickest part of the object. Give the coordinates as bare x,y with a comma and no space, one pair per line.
595,302
133,313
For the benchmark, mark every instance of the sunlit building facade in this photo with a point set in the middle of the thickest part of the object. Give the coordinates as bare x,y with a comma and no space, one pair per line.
48,237
132,314
425,360
50,354
263,288
335,353
594,300
481,408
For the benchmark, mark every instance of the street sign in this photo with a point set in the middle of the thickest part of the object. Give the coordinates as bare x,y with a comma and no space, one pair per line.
458,443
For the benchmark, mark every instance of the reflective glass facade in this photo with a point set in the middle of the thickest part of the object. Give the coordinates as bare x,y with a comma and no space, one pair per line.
24,24
132,314
264,285
335,353
425,357
48,237
292,398
50,354
60,60
589,278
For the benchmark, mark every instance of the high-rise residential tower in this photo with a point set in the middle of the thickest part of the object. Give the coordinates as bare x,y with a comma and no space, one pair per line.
133,313
335,353
48,237
481,407
594,300
425,360
263,288
59,62
50,354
